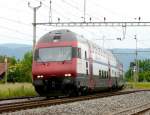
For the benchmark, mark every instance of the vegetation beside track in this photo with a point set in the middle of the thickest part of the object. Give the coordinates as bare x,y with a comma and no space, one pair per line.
138,85
11,90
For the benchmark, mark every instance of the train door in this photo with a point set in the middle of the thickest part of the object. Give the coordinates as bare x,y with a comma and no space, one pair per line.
109,75
87,64
91,83
83,66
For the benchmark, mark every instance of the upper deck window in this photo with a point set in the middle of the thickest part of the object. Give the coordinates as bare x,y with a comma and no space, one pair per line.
56,37
54,54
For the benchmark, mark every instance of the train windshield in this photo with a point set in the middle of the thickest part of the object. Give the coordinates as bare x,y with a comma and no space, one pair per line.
53,54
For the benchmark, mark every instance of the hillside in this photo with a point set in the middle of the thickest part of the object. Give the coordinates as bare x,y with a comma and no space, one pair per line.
127,55
124,55
16,50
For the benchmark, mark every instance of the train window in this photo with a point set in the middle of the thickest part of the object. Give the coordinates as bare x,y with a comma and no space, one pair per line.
56,37
87,72
102,74
74,52
105,74
86,64
36,54
79,52
85,55
99,73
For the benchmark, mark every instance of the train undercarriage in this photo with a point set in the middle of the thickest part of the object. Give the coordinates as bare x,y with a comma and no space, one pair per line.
54,87
58,86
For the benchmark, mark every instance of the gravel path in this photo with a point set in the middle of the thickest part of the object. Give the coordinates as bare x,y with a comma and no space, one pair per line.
103,106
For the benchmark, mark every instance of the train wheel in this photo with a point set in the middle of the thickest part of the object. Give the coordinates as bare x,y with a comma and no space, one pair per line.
85,91
73,91
40,90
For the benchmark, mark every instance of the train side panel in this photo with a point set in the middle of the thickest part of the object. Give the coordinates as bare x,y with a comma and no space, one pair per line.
83,66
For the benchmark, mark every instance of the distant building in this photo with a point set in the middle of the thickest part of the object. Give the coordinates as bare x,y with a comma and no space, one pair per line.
2,70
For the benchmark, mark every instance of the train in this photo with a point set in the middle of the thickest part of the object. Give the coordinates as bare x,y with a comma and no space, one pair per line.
66,63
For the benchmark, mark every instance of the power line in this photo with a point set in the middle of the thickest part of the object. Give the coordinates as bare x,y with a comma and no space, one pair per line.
96,24
15,31
106,9
10,37
69,4
52,9
15,21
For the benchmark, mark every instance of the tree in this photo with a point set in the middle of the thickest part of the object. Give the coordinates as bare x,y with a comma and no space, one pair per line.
27,67
21,71
144,71
11,60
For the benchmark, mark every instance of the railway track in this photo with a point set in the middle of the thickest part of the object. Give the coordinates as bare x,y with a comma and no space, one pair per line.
48,102
137,110
23,97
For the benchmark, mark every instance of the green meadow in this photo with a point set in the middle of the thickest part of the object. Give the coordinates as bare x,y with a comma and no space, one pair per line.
11,90
138,85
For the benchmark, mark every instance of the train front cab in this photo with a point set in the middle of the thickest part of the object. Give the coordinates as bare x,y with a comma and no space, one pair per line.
53,74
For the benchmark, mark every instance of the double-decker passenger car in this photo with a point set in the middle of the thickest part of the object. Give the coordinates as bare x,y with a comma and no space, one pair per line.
66,63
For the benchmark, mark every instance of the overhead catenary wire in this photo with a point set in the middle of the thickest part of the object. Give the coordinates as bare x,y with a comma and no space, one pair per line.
54,10
67,1
15,21
2,36
13,30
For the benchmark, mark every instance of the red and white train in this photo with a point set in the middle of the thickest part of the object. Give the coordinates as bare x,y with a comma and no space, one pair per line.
66,63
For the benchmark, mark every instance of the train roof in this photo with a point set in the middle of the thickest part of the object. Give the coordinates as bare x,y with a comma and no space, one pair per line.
61,35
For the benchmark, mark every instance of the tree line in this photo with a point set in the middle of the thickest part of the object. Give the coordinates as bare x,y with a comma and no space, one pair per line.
143,71
19,70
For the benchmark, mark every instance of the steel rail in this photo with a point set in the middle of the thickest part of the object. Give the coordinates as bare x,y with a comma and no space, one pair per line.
48,102
136,110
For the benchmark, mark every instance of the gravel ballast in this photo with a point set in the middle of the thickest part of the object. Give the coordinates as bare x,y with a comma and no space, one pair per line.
102,106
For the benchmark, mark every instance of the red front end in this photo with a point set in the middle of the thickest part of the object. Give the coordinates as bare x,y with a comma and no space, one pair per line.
54,60
54,65
54,69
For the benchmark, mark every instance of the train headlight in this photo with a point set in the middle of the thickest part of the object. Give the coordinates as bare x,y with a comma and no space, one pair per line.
68,75
40,76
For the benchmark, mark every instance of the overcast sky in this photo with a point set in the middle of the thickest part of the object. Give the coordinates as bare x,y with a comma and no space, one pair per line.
16,20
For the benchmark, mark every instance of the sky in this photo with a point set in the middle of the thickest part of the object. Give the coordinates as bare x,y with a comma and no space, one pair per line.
16,20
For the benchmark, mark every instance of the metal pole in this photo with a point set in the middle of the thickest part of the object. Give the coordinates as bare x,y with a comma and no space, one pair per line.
50,12
34,24
136,53
5,60
84,9
34,28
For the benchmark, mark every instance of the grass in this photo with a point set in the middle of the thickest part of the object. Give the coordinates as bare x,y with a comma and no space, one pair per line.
138,85
11,90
